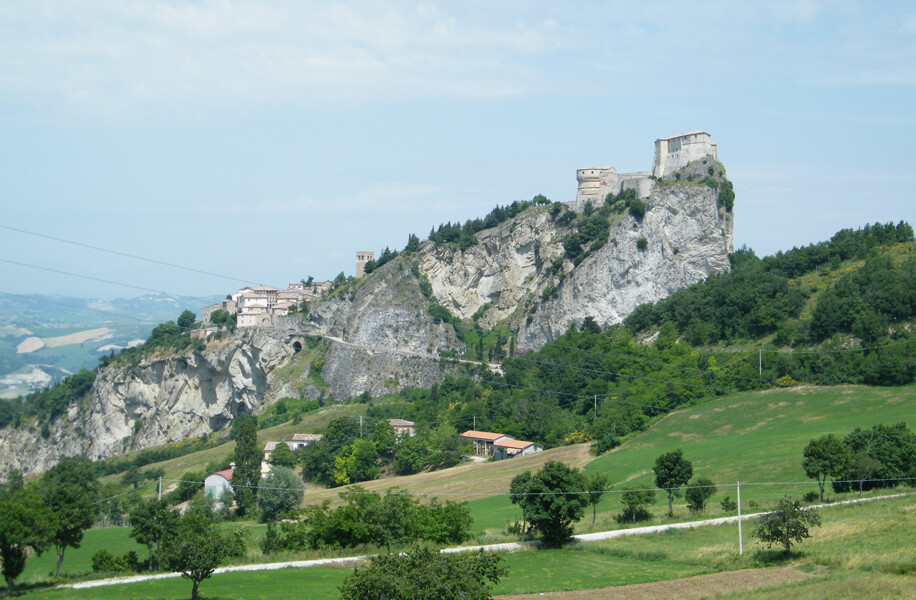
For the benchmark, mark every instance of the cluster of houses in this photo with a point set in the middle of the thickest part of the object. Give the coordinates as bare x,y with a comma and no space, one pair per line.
257,305
499,445
221,481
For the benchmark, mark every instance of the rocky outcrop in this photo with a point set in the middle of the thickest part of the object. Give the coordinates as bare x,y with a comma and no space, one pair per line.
382,336
160,400
510,275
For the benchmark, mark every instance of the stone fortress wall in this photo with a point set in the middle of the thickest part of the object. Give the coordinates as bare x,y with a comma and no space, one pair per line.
671,154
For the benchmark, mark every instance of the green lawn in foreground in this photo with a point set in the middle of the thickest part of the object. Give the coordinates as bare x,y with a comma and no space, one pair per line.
79,560
856,544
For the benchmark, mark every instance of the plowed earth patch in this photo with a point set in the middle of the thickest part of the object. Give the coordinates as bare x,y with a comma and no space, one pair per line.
700,586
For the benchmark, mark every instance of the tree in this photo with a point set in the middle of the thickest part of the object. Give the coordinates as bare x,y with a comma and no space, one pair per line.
186,320
635,503
247,464
698,493
151,522
424,574
788,523
386,442
672,471
554,499
413,244
597,487
825,456
282,456
196,550
25,523
281,492
518,490
70,489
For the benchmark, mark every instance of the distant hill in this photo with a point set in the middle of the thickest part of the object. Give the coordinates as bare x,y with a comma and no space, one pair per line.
43,338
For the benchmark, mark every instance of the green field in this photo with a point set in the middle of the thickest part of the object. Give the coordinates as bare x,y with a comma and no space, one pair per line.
857,544
755,437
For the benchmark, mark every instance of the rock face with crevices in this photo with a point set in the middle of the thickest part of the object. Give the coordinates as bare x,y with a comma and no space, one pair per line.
160,400
509,275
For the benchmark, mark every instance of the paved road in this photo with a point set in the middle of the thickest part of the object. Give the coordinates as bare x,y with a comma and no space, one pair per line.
507,547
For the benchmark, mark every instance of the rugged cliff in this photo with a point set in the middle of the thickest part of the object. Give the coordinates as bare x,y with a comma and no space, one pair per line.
160,400
510,273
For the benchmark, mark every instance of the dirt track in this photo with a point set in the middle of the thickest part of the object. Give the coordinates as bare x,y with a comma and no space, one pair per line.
701,586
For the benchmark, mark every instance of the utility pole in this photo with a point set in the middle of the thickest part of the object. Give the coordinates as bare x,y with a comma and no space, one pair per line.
475,422
760,361
596,406
360,427
740,539
160,488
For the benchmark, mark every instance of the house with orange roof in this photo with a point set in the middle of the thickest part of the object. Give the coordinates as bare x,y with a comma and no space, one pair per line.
484,440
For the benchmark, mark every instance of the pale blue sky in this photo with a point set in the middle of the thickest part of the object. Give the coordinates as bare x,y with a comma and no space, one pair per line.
271,140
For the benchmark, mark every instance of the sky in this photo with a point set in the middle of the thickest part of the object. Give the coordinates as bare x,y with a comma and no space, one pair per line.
263,142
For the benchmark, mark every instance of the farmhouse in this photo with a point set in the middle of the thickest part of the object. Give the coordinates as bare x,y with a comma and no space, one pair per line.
402,428
484,440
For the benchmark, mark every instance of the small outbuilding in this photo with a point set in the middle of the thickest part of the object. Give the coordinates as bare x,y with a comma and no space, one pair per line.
301,440
218,483
508,448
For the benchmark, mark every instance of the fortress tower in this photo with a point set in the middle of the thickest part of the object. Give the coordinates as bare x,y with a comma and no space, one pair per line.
362,257
671,154
675,152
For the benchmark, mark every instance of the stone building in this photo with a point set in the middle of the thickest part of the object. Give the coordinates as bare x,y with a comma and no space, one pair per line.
675,152
362,257
671,154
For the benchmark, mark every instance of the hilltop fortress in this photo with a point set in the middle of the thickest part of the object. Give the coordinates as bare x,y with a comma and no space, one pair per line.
671,154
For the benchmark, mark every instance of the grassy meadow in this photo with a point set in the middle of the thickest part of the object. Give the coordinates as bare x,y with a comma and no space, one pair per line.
864,546
754,437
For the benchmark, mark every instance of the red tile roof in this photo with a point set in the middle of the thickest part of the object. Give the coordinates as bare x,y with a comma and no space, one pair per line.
227,474
518,444
482,435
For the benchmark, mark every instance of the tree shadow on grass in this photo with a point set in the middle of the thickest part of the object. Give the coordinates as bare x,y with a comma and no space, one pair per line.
774,557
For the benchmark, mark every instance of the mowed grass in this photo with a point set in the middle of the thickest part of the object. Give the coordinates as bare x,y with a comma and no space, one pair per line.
857,546
755,438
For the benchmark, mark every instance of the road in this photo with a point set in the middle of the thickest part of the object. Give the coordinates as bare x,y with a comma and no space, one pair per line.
507,547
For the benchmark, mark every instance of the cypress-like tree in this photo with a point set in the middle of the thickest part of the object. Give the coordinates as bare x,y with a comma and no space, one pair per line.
247,465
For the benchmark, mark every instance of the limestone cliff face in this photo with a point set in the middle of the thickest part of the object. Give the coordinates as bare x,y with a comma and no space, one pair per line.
160,400
382,336
509,275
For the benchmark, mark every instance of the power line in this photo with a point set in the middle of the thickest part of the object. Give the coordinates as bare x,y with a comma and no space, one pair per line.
125,254
89,277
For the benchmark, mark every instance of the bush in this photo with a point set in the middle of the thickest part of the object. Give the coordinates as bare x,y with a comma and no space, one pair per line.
642,243
635,503
728,505
279,493
637,208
